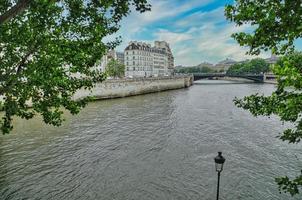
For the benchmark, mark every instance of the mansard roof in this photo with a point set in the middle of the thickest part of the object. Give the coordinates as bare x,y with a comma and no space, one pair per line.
144,47
138,46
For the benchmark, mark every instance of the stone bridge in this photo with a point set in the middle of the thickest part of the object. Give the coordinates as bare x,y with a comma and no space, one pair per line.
254,77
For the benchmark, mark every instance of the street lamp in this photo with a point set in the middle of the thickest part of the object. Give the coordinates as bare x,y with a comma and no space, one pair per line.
219,160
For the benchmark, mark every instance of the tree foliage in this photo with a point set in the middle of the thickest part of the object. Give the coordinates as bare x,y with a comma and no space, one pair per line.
255,66
196,69
276,25
48,50
115,69
286,102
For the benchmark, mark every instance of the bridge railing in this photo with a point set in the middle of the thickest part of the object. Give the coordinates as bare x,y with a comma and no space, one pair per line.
254,77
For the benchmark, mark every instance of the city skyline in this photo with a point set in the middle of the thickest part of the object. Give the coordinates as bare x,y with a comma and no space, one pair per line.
197,31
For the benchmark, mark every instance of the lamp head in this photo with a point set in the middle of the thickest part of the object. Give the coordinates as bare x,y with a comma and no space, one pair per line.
219,161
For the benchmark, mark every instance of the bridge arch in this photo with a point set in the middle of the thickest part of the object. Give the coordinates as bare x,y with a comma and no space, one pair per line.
253,77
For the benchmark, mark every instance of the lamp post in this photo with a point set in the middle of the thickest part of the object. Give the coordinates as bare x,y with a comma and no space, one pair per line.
219,160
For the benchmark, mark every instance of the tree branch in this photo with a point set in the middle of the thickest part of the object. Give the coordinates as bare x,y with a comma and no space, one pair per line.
19,67
24,59
15,10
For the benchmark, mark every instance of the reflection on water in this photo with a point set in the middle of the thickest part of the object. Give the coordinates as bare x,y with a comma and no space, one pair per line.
157,146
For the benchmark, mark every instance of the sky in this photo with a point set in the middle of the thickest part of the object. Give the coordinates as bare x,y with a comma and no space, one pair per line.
196,30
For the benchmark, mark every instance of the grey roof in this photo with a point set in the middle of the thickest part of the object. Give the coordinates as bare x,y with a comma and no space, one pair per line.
144,47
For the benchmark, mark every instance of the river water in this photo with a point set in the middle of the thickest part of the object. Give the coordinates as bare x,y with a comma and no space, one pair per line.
158,146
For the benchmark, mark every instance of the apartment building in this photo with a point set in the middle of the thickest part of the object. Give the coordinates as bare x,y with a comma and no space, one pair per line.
166,47
143,60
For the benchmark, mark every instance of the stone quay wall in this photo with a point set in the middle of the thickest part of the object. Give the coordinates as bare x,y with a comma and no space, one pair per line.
117,88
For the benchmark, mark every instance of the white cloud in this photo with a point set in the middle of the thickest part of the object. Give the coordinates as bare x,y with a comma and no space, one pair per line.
168,8
135,23
201,36
207,39
171,37
212,46
199,18
182,52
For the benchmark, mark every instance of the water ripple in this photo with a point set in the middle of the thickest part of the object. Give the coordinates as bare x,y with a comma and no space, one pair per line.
157,146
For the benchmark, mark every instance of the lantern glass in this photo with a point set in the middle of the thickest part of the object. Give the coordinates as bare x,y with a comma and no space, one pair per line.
219,167
219,160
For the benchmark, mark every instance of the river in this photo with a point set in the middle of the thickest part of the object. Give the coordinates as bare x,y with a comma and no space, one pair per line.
158,146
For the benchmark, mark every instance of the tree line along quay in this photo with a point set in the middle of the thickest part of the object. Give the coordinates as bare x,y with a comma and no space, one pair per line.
140,62
232,67
50,50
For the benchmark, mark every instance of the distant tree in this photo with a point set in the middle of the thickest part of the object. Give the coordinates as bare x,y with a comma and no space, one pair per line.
277,25
257,66
254,66
205,69
195,69
115,69
48,50
236,69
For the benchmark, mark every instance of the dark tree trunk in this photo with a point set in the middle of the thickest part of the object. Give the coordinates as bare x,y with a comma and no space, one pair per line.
15,10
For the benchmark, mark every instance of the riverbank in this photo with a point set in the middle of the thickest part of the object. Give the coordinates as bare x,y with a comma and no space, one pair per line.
236,79
271,82
245,80
118,88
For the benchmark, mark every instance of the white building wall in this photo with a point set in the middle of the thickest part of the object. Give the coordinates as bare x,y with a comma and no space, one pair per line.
101,64
142,60
166,47
139,63
160,62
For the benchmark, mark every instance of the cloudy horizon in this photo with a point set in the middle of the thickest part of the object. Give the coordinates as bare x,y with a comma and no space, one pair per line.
197,31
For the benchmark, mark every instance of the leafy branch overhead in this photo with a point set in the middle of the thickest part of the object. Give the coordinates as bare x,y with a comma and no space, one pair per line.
48,51
286,101
276,25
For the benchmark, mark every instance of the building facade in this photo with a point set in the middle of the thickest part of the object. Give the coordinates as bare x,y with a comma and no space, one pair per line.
143,60
224,65
166,47
272,60
120,57
138,60
111,54
101,65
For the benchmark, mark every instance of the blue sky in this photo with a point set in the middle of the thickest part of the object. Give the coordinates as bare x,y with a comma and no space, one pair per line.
196,30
